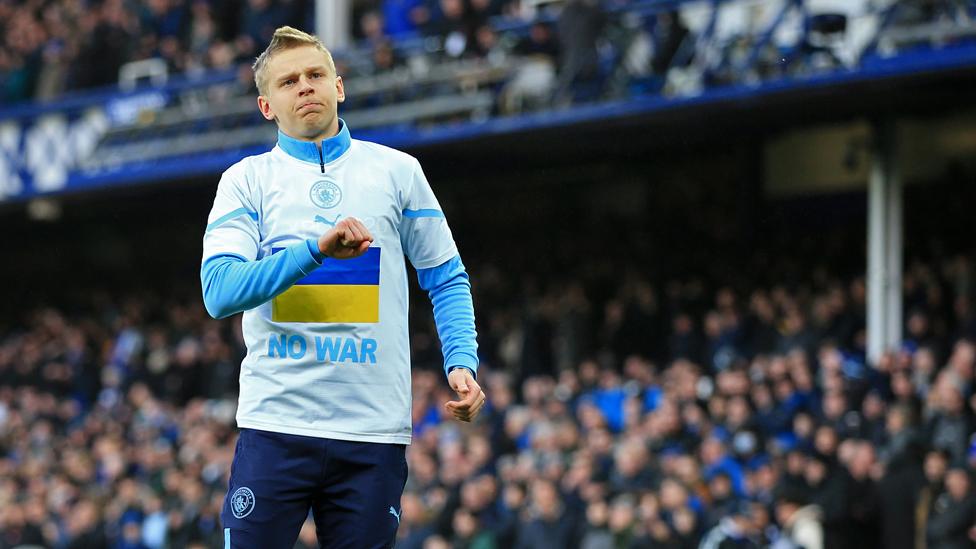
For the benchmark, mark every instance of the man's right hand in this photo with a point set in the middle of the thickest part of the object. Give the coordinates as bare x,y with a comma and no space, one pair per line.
348,239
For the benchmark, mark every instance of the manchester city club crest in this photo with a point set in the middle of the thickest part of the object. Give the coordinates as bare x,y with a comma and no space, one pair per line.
326,194
242,502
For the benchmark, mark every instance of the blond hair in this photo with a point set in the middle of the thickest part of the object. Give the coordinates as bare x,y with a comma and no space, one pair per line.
286,38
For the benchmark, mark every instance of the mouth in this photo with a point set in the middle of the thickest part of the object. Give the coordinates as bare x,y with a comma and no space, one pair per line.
309,104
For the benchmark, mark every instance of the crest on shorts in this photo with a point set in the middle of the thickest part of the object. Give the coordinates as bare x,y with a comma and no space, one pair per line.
326,194
242,502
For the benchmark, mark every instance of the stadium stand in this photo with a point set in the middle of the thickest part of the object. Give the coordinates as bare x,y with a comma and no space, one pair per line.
192,110
653,417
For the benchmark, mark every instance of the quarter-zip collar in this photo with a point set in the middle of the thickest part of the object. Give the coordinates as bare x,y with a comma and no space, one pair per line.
311,151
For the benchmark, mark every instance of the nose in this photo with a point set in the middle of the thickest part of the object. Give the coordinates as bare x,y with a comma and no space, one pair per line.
304,85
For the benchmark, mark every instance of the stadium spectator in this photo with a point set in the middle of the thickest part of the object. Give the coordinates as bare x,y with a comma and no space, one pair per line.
403,17
800,521
549,521
468,531
371,28
532,84
580,26
952,513
737,529
669,34
936,466
452,27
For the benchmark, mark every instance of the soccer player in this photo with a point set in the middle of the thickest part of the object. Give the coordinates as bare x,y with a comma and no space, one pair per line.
308,240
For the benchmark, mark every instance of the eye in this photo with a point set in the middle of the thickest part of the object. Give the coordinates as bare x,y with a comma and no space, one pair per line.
288,82
317,75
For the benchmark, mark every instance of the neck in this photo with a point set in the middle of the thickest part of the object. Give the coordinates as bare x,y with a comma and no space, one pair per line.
321,149
331,131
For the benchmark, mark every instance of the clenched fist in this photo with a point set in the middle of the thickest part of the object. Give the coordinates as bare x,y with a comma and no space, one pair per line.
348,239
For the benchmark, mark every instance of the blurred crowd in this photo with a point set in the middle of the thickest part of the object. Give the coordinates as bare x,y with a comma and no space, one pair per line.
683,414
48,47
567,50
108,437
554,53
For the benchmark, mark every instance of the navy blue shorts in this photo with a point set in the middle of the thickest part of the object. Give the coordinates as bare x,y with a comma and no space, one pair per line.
353,490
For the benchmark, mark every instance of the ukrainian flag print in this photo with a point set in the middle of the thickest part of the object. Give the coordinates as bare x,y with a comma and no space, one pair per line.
341,290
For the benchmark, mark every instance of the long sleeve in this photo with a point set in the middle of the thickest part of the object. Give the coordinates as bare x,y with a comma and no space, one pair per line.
450,294
232,284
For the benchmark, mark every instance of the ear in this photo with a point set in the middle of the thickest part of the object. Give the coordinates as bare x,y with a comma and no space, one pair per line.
340,90
265,107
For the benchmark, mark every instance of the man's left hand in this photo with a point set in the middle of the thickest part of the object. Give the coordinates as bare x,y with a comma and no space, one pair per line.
470,393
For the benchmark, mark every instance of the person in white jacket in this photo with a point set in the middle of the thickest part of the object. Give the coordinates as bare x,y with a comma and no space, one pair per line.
800,524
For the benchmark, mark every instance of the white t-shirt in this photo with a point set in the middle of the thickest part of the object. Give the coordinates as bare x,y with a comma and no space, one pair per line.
330,356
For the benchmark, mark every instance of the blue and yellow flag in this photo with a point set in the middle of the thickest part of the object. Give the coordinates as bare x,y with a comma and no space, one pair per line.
341,290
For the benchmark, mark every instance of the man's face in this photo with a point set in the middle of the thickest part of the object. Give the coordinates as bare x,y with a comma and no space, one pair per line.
784,511
935,467
302,94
